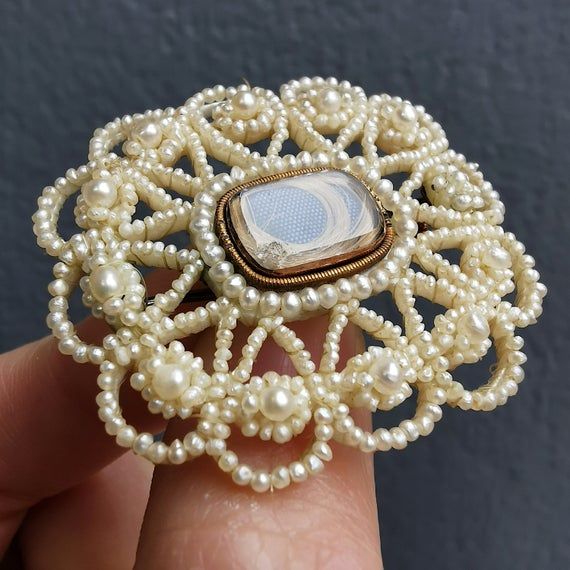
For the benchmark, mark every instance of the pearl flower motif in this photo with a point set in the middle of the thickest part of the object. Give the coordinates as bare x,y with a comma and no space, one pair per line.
465,332
172,380
399,124
245,117
112,288
107,199
157,140
379,379
327,105
484,291
452,187
275,407
459,187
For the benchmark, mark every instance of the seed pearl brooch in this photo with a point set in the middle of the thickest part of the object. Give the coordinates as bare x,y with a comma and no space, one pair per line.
284,220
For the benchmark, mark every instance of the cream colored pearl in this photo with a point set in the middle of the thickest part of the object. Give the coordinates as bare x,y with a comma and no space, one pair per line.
261,481
329,100
242,475
106,282
280,477
245,104
148,134
497,258
474,326
276,403
170,381
99,193
387,374
405,116
298,472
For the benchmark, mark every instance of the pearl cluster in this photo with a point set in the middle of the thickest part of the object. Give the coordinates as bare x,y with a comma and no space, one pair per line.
458,210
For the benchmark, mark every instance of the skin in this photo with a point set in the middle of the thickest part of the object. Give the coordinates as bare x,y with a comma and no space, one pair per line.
77,500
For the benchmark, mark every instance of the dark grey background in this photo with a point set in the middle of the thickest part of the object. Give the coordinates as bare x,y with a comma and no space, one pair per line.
484,491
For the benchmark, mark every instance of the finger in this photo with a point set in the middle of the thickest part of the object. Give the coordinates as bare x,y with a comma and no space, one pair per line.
197,517
92,526
50,434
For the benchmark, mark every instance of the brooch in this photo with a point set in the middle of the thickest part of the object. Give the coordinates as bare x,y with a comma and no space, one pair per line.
290,210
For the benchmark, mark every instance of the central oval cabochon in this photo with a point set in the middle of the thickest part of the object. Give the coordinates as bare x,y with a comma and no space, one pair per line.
305,221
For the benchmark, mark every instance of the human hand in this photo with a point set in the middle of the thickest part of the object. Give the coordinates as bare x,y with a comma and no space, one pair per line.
78,501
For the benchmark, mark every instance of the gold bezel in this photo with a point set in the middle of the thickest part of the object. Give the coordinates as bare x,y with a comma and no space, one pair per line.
269,280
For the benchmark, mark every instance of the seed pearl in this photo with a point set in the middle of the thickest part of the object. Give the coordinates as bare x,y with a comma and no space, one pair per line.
280,477
387,374
106,282
276,403
261,481
329,100
405,117
170,381
99,193
148,134
474,326
497,258
244,104
298,472
242,475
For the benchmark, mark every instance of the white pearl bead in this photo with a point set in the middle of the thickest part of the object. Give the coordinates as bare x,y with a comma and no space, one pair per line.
291,304
497,258
261,481
405,116
125,436
298,472
106,282
313,464
328,295
329,100
245,104
474,326
280,477
228,461
276,403
269,303
242,475
249,298
170,381
387,374
148,134
99,193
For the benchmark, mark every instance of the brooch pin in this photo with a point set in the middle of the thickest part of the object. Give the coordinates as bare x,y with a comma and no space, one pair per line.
280,237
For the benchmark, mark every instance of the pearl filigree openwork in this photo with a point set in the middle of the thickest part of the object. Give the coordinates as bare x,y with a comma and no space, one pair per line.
444,203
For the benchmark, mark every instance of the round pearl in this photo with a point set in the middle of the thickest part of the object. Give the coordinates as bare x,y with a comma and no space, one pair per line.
497,258
474,326
329,100
148,134
106,282
405,117
387,375
244,104
170,381
99,193
276,403
261,481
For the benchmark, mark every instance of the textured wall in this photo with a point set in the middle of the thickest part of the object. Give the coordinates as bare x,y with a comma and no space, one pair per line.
484,491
